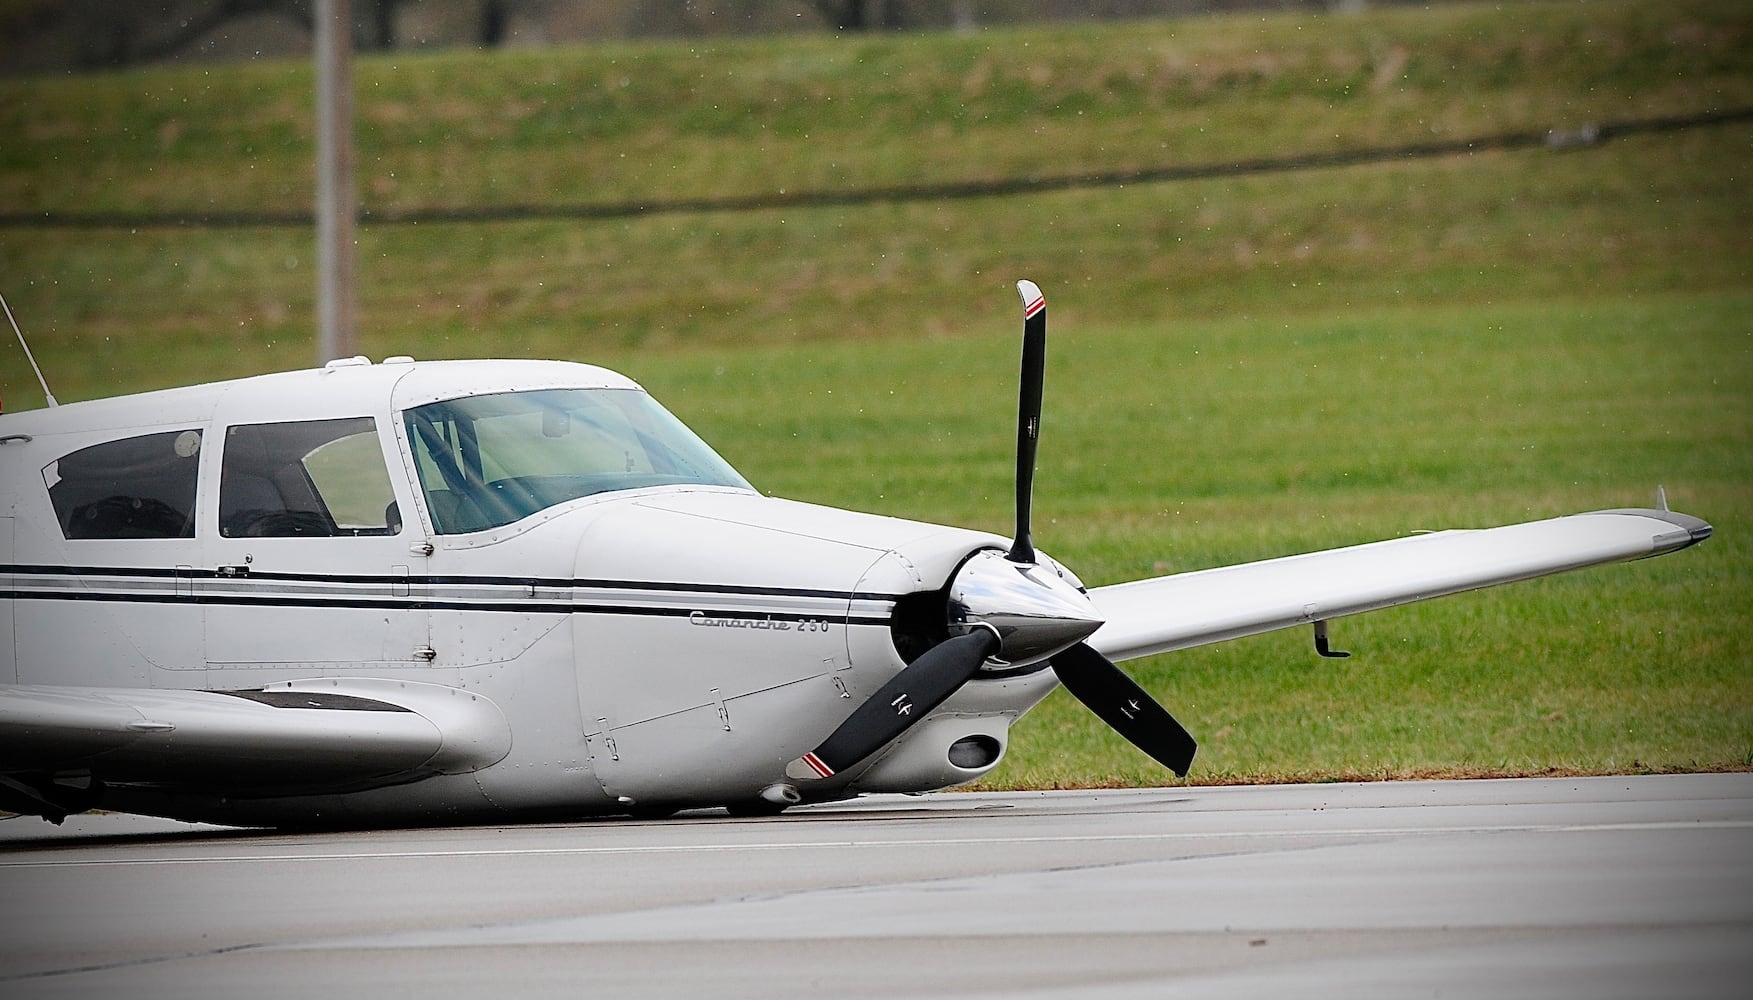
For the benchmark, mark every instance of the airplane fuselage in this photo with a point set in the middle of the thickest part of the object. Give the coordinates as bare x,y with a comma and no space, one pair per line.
663,638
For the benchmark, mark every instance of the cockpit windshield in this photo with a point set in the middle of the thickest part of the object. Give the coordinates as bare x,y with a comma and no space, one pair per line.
485,461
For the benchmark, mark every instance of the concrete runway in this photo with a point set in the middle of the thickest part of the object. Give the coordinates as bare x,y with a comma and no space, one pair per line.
1596,887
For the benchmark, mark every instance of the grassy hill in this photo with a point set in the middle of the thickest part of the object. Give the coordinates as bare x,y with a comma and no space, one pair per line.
1242,366
672,121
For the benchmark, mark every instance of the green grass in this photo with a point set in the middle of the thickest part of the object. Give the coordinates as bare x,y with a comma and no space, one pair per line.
1240,368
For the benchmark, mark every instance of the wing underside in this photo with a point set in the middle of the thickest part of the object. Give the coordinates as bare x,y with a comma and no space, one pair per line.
1192,609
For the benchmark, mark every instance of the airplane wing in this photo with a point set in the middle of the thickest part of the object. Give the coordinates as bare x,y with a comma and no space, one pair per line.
332,734
1191,609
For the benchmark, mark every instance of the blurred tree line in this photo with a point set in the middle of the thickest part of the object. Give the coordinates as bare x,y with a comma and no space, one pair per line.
72,35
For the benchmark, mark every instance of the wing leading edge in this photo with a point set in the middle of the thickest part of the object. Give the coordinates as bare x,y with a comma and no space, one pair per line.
1192,609
330,734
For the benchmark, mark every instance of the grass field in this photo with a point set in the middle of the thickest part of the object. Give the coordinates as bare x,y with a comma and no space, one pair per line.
1240,367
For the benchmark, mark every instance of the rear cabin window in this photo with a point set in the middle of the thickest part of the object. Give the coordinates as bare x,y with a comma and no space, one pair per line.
306,477
137,487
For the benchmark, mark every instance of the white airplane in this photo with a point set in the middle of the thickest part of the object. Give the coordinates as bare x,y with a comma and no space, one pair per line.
416,593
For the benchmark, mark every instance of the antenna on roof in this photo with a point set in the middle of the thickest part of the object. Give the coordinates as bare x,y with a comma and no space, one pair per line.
33,360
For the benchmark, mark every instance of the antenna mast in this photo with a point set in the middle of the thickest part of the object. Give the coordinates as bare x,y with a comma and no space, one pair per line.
33,359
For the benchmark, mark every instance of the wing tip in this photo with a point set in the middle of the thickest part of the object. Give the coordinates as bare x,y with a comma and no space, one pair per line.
1692,530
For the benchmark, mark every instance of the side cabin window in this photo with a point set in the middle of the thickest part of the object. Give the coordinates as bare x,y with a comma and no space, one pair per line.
136,487
306,477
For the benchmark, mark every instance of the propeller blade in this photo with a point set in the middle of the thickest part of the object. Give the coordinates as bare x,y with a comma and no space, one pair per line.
1118,700
908,697
1028,430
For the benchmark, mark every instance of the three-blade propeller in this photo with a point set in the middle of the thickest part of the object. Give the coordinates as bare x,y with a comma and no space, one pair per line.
994,616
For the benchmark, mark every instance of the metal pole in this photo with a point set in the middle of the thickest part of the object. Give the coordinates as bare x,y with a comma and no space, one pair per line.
336,337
